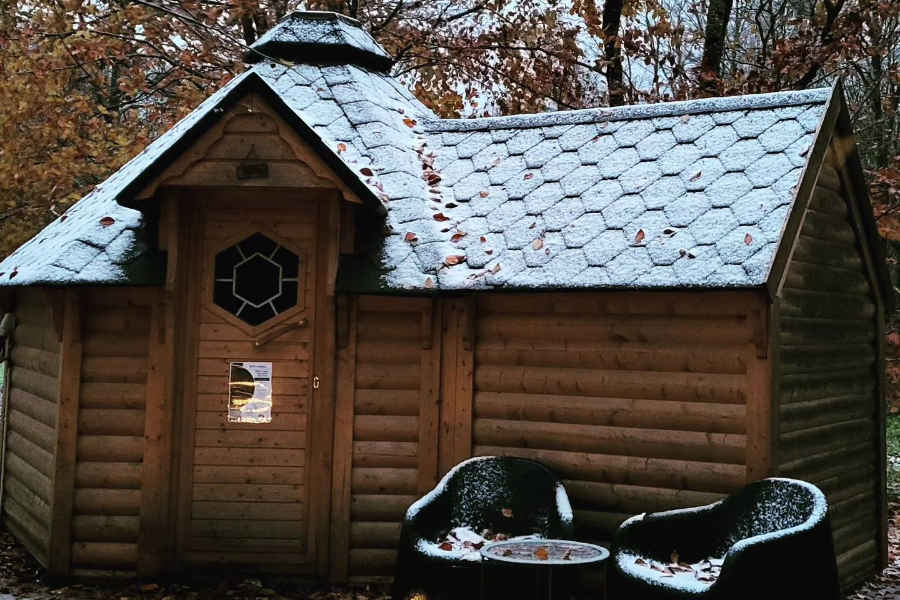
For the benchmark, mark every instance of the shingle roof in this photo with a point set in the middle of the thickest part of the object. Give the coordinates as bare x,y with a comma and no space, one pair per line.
690,194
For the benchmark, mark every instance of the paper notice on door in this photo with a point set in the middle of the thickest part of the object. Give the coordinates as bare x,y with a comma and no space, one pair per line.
250,392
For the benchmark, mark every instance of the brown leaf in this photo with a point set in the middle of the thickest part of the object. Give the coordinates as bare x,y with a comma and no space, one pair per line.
484,193
495,269
433,178
107,221
538,243
748,239
342,147
454,260
429,283
441,217
457,237
488,252
639,236
410,237
507,512
541,553
528,176
483,239
446,546
409,122
367,172
697,176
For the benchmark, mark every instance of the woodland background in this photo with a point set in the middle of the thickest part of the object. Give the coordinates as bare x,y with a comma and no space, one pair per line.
86,84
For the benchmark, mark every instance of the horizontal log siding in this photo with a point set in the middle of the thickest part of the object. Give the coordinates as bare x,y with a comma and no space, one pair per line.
31,434
638,401
110,447
827,376
384,469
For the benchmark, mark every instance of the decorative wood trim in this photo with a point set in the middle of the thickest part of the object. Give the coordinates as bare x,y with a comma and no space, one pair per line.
157,438
187,340
449,365
321,428
794,224
56,299
66,435
465,384
345,389
760,408
774,368
429,397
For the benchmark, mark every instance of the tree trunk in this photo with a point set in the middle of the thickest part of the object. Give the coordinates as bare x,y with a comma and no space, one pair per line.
718,15
612,48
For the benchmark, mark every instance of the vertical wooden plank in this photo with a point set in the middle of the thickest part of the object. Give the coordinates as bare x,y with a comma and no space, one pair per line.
345,388
190,241
881,419
322,400
66,435
760,409
449,365
465,374
157,439
429,396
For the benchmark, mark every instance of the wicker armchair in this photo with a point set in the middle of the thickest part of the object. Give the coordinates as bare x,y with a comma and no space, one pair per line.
774,535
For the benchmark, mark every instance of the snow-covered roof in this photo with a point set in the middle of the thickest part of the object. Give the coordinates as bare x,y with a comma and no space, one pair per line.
320,36
689,194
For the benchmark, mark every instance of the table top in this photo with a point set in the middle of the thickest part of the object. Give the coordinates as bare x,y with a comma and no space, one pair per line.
539,552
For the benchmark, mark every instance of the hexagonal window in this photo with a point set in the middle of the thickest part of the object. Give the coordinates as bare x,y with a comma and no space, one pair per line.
256,279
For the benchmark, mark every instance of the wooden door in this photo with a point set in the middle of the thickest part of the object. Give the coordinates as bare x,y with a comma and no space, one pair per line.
245,484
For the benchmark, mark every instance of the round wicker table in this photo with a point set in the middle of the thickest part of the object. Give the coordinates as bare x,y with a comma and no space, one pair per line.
543,558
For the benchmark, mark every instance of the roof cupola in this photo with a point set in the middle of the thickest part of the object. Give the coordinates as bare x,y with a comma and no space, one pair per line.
320,37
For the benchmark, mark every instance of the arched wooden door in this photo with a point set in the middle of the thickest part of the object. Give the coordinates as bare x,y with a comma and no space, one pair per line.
253,405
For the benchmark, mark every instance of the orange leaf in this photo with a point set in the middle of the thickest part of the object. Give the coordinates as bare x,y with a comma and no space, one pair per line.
409,122
446,546
342,147
639,236
507,512
541,553
484,194
454,260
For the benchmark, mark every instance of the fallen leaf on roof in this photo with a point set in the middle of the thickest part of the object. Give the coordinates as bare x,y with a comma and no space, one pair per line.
495,269
541,553
529,175
748,239
538,243
429,283
484,193
457,237
107,221
409,122
697,176
507,512
639,236
367,171
410,237
342,147
441,217
454,260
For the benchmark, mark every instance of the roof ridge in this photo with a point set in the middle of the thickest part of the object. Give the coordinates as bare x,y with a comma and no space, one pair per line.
636,111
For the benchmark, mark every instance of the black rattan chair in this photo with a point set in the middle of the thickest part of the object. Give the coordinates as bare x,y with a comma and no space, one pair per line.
774,535
480,493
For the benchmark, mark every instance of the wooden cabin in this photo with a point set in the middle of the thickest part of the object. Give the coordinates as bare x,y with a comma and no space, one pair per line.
265,336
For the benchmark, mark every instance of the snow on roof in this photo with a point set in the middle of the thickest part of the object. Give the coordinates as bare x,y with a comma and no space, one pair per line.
688,194
320,36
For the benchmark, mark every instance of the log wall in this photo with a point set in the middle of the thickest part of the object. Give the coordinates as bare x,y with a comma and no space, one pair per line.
111,420
31,435
638,401
827,375
386,435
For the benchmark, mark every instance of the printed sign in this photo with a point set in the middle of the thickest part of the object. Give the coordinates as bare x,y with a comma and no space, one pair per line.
250,392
